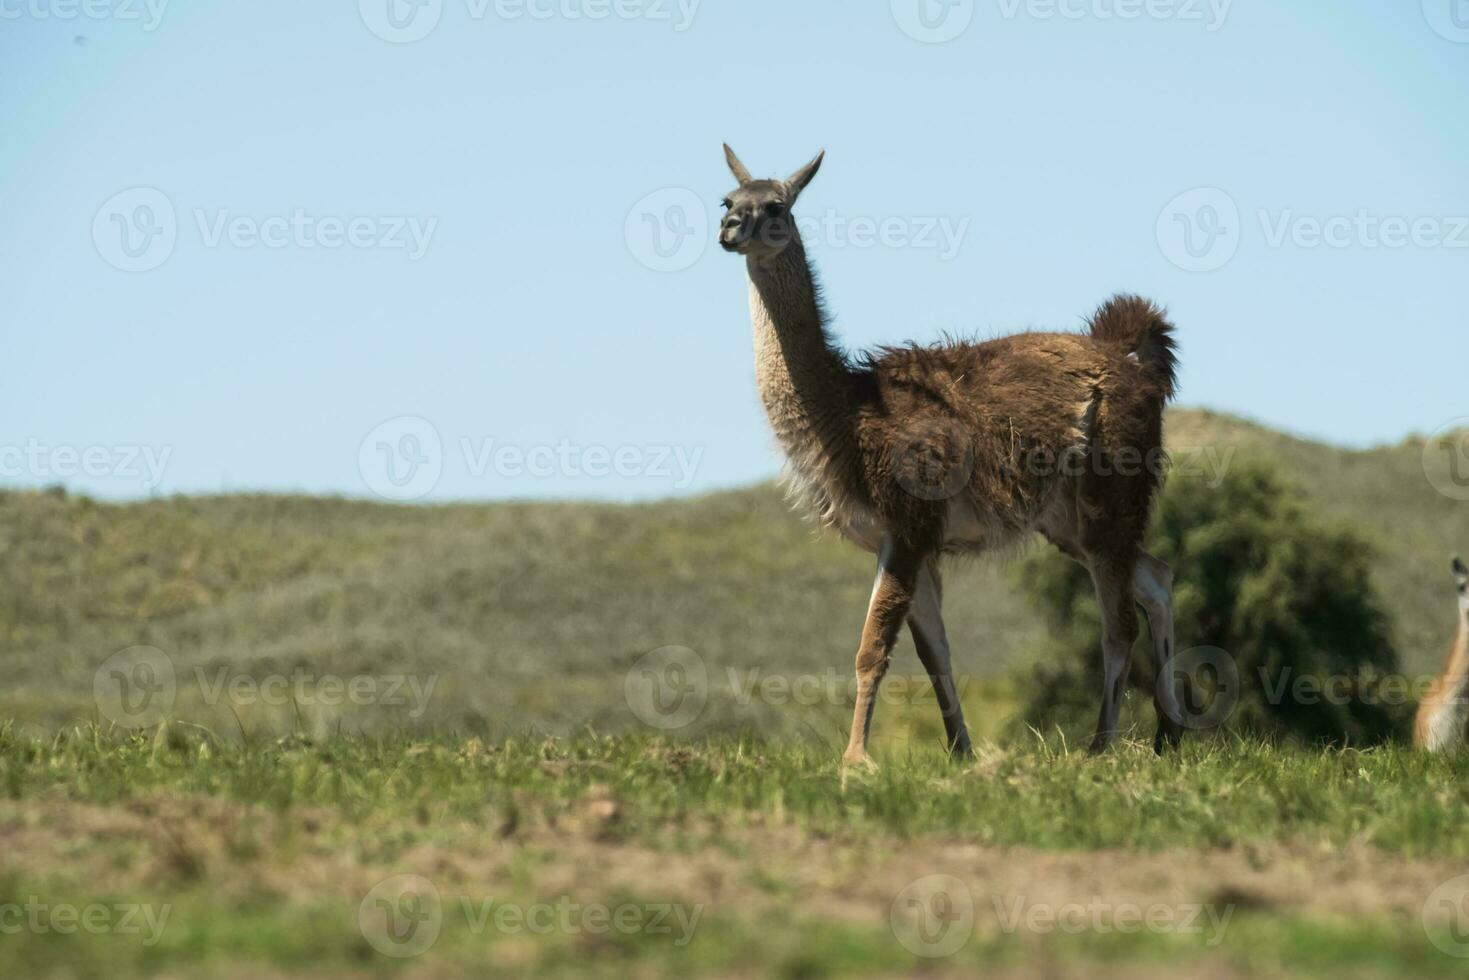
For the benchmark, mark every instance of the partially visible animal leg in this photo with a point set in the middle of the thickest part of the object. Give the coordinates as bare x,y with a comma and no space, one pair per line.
926,623
892,595
1113,578
1153,588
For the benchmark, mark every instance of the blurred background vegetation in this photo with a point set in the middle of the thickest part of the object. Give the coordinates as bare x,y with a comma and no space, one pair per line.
1294,553
1297,636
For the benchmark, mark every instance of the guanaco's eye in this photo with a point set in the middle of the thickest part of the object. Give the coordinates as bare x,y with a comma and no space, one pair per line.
775,210
727,203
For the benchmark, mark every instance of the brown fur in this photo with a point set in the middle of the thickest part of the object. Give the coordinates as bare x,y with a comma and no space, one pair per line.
917,451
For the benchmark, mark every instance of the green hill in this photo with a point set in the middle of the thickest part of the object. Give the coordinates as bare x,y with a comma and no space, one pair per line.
530,614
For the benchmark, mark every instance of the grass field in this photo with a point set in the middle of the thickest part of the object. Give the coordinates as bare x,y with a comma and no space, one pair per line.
640,856
277,736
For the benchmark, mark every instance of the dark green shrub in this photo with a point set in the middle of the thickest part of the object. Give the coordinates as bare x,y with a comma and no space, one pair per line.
1287,598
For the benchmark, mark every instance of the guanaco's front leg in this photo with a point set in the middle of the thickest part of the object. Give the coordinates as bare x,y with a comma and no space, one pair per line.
892,595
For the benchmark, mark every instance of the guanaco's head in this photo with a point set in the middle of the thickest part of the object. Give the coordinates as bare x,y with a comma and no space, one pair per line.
1461,576
757,220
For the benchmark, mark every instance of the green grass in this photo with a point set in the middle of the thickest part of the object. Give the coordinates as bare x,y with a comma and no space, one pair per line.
1217,791
263,852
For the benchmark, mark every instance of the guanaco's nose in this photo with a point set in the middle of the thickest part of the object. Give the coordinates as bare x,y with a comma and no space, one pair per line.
731,230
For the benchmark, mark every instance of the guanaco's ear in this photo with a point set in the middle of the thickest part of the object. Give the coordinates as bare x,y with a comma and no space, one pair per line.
1460,572
741,172
802,177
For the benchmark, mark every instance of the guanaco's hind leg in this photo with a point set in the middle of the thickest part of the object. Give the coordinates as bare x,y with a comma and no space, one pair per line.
892,595
926,623
1113,580
1153,587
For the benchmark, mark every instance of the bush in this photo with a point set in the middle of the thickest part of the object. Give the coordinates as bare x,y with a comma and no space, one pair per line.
1288,599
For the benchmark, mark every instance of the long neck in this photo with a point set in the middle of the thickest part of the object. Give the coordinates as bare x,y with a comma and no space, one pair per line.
1456,672
804,381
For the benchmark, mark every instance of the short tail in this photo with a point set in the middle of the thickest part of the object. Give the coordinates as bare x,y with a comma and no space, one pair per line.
1141,328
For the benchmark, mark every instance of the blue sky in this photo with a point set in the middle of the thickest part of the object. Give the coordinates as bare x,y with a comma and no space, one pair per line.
428,270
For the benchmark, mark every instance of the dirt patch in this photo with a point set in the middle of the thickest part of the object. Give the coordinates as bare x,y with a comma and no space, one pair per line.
165,842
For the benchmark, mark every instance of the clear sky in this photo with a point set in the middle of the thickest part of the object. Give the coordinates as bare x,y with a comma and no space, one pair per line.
458,249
